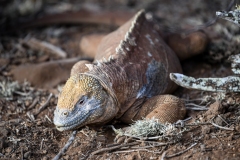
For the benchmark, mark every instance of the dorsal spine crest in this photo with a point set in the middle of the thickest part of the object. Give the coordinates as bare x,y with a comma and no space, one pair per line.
129,40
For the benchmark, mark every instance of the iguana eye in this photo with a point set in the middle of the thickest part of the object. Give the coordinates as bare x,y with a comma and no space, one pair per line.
81,100
65,113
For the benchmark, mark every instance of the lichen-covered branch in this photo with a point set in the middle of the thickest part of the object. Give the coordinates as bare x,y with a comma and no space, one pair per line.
225,84
232,16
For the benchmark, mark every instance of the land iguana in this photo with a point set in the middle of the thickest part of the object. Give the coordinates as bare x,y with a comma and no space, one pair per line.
128,80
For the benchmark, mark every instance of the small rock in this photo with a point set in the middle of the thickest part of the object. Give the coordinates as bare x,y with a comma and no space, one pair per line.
206,137
3,143
203,147
8,150
237,128
205,130
19,110
39,123
12,108
218,121
4,61
101,138
13,156
76,144
27,154
66,157
213,110
230,138
45,158
231,101
131,157
3,132
44,151
27,103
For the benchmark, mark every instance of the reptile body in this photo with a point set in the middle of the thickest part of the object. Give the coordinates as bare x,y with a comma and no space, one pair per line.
126,81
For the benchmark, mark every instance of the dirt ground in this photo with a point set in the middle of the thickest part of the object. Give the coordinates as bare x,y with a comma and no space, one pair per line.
26,127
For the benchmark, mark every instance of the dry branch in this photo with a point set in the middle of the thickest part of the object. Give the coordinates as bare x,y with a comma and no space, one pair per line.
179,153
114,147
64,149
44,47
44,105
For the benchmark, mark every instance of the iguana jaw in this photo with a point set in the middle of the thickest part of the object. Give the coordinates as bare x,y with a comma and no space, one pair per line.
81,115
83,101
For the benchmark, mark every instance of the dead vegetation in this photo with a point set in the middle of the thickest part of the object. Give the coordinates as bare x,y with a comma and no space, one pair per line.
26,128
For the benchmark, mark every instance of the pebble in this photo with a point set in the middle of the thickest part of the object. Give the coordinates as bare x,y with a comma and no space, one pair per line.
27,154
205,130
45,158
44,151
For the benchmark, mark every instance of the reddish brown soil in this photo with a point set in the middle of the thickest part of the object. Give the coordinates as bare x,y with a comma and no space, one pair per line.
24,134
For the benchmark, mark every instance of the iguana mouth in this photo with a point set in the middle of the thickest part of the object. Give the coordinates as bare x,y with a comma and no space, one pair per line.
76,122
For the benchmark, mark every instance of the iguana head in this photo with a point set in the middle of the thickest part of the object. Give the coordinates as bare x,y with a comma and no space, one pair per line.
83,101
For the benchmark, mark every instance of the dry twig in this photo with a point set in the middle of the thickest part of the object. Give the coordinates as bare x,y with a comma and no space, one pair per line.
137,150
196,107
155,144
64,149
44,105
114,147
221,127
45,47
35,101
12,121
163,155
179,153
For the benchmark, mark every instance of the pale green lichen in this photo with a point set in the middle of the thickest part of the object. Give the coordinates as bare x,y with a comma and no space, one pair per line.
7,88
237,7
232,16
147,128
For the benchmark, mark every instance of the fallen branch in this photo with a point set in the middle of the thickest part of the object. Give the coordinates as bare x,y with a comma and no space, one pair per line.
44,105
137,150
45,47
163,155
12,121
223,119
196,107
64,149
35,101
114,147
155,144
221,127
179,153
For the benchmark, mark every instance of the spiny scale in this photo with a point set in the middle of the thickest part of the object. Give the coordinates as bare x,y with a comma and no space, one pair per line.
126,45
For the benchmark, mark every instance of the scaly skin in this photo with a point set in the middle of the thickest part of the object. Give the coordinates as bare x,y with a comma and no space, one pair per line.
125,82
86,103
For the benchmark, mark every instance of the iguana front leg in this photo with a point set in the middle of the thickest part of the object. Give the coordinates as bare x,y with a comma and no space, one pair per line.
166,108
